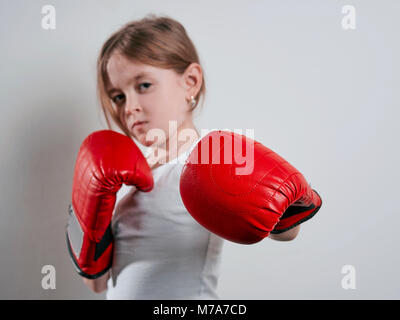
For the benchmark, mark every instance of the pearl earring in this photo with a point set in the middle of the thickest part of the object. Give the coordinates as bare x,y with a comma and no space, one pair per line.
192,101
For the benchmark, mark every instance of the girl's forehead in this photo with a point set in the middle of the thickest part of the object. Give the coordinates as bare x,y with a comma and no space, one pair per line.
118,61
123,70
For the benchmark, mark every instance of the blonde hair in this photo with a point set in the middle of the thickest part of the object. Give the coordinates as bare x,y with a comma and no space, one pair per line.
157,41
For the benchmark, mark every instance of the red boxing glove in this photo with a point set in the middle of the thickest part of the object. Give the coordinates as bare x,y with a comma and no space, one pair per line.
105,161
243,202
299,212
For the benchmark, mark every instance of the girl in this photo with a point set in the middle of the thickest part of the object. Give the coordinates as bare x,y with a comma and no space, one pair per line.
149,76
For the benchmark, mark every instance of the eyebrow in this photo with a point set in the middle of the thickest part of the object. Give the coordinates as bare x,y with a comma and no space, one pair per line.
137,77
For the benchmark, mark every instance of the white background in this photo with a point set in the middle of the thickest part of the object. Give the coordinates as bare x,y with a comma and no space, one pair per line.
325,98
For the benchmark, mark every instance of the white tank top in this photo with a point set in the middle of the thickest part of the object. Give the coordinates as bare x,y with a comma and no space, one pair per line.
160,251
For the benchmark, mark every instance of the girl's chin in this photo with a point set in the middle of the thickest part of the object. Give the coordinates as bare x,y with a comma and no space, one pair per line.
147,140
143,141
147,143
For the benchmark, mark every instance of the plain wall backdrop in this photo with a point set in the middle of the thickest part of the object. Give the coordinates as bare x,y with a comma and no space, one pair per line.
324,97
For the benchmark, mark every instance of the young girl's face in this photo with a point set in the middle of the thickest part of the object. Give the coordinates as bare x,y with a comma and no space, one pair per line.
145,93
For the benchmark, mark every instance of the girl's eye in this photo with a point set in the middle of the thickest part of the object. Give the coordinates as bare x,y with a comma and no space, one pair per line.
116,98
145,84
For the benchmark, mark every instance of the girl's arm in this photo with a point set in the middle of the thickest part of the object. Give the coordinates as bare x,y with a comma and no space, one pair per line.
97,285
287,235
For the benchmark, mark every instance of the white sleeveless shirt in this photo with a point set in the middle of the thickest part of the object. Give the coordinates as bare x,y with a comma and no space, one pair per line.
160,251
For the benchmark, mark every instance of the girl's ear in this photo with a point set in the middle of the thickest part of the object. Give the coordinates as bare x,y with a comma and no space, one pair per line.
193,78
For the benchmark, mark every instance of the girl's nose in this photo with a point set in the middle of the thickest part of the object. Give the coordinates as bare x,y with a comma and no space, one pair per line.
132,106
